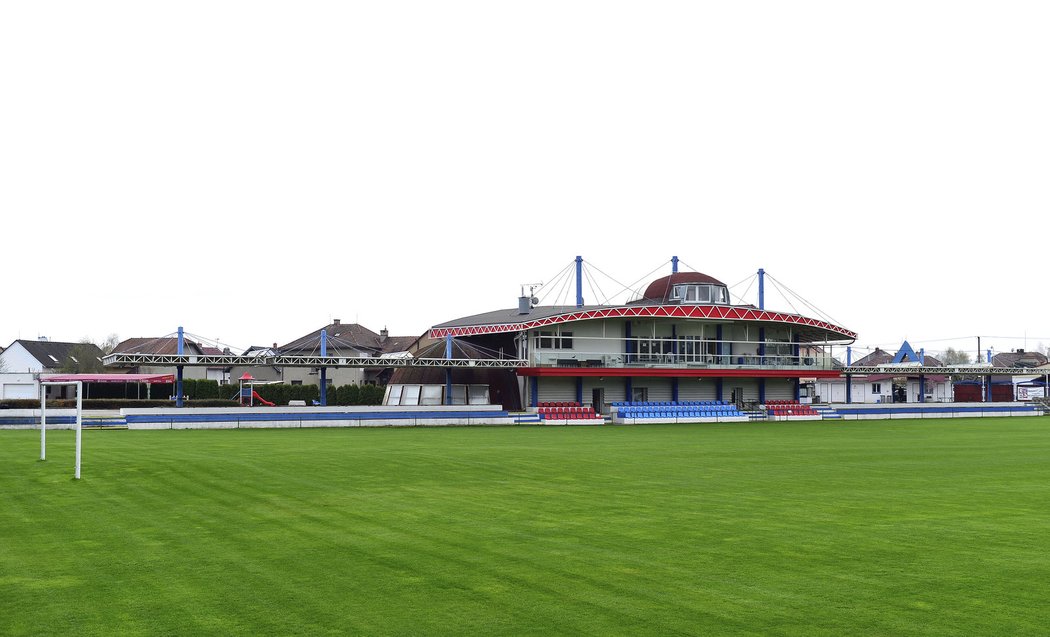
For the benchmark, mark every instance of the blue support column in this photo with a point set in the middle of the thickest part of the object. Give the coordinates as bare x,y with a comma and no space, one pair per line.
579,390
761,289
761,346
628,344
762,390
178,370
448,370
674,265
718,345
922,387
987,389
579,281
674,389
798,389
534,391
849,389
628,388
324,370
719,389
178,386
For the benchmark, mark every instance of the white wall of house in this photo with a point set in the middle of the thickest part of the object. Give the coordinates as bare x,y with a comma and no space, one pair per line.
18,360
337,376
881,391
14,386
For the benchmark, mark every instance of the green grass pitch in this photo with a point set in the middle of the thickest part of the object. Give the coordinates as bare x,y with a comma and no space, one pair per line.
936,527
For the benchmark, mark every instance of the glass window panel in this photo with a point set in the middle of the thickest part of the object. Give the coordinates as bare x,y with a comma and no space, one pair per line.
479,394
459,394
411,395
431,395
394,395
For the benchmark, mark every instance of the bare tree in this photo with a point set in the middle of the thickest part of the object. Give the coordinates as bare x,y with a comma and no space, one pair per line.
109,344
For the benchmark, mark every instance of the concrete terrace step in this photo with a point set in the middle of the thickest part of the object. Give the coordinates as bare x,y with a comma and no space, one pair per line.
827,412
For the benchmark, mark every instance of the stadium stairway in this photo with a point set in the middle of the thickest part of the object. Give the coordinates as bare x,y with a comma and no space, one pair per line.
525,418
104,420
826,411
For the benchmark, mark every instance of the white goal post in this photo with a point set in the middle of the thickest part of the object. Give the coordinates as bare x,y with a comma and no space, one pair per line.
43,420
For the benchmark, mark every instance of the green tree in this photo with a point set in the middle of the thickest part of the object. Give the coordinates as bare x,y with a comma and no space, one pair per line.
952,356
83,359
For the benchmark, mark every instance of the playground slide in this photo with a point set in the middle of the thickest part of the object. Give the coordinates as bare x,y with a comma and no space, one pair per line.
260,400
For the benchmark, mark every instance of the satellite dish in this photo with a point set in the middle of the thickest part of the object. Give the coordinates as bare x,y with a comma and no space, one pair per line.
535,300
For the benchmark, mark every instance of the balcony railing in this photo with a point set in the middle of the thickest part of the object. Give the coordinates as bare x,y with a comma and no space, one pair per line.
682,361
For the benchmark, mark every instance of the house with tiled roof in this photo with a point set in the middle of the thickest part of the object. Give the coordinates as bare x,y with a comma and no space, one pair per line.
889,388
164,345
24,358
344,340
1022,387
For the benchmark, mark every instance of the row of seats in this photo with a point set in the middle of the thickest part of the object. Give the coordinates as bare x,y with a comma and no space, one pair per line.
658,414
559,404
782,402
568,413
671,403
628,411
791,410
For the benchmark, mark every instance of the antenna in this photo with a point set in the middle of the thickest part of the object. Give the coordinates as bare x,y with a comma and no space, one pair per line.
526,303
532,288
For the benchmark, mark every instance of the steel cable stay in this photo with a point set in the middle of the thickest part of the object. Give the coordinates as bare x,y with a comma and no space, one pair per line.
822,314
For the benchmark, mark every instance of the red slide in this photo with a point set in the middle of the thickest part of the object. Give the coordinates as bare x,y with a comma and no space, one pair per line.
259,399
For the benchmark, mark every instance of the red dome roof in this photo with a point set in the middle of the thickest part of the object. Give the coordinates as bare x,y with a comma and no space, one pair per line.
660,289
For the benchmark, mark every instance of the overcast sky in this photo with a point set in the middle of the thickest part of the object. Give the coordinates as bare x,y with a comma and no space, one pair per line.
252,170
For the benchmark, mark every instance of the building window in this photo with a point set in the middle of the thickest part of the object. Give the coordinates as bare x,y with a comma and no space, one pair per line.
640,394
297,382
699,293
554,340
876,388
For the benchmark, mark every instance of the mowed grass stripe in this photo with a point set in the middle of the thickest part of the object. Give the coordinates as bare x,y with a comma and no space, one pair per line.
902,527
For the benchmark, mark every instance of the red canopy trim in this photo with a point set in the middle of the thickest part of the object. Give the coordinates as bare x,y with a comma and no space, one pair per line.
109,378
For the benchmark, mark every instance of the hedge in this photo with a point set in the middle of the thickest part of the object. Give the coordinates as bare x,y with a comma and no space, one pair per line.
111,403
209,393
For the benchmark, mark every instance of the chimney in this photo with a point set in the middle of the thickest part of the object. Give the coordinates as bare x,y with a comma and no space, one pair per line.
383,335
335,321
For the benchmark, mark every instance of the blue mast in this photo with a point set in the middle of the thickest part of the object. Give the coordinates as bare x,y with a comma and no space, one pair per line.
324,370
579,281
761,289
178,369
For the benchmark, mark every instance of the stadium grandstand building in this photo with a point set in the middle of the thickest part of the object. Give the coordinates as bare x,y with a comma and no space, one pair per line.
680,340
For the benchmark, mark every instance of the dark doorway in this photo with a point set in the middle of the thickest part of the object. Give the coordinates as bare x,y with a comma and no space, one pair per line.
598,399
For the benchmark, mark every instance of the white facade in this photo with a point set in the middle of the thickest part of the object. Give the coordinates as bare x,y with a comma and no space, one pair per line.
18,386
865,391
16,359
